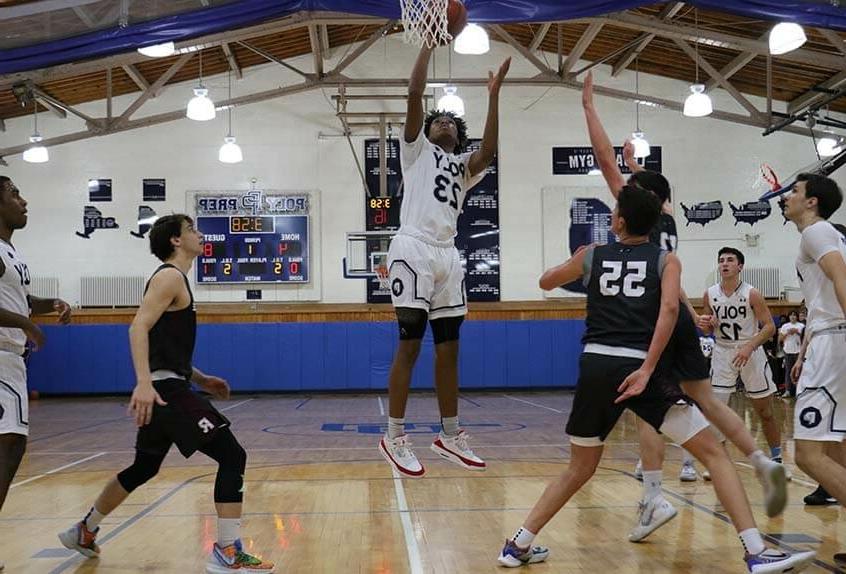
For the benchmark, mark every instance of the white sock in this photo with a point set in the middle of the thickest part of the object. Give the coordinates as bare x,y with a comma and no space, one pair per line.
396,427
651,484
752,541
449,425
759,460
687,458
228,531
523,537
93,519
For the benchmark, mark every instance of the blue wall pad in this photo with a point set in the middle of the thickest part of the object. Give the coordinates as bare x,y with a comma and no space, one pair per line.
315,356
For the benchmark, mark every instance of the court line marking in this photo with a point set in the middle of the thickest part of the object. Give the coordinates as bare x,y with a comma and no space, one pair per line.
474,403
534,404
407,528
381,406
236,405
55,470
301,403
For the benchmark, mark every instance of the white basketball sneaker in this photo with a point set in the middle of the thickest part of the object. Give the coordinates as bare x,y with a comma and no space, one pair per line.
774,480
456,449
652,515
398,453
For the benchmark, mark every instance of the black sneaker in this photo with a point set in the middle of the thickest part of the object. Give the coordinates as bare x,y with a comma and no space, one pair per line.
840,559
820,498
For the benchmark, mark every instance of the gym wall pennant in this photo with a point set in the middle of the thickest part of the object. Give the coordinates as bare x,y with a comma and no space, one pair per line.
703,213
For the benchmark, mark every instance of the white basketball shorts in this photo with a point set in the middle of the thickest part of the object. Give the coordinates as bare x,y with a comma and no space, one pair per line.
820,412
756,374
426,277
14,404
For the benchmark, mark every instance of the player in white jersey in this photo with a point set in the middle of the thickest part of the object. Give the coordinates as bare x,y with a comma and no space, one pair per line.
820,412
733,311
426,275
16,328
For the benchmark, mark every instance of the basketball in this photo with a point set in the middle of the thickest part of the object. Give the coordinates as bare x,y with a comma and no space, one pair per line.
456,17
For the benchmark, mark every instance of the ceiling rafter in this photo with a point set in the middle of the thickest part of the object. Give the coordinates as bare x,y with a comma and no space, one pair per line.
667,14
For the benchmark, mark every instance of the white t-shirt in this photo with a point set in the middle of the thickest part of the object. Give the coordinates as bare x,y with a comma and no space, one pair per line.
824,310
792,342
435,185
14,297
736,319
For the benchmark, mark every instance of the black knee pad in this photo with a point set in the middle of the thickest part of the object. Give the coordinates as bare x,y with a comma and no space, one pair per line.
446,329
145,467
412,323
232,461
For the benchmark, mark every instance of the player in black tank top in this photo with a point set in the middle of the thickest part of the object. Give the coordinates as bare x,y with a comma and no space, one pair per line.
173,335
168,411
684,354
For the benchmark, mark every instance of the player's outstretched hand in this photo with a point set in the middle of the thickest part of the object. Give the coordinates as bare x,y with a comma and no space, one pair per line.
495,80
217,387
634,385
587,91
34,335
144,397
628,152
63,309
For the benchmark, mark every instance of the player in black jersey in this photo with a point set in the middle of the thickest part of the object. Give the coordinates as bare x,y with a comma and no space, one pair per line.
166,409
633,300
684,354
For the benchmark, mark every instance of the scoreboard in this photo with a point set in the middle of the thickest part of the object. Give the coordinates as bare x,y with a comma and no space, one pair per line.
253,238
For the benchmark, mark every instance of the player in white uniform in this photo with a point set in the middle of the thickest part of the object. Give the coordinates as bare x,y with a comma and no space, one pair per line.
733,311
425,271
820,413
16,305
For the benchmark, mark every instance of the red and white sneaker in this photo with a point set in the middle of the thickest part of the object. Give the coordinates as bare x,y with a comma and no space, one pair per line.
455,449
398,453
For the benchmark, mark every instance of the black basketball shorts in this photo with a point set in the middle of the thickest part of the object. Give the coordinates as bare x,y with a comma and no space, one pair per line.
594,412
189,420
683,359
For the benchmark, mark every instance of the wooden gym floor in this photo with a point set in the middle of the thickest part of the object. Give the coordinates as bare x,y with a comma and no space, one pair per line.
321,499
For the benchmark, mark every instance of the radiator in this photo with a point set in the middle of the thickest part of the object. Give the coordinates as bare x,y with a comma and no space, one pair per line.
766,279
44,287
111,291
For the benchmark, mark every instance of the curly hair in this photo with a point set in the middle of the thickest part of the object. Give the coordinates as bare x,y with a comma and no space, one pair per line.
460,125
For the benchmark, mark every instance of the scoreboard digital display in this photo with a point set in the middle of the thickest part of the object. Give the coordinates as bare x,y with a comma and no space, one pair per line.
253,248
383,212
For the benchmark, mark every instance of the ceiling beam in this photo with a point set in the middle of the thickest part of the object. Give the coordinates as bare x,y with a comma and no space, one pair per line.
153,89
669,12
136,76
72,69
233,62
834,39
724,83
581,45
362,48
373,83
316,48
714,38
539,37
270,57
733,67
324,39
817,93
50,106
2,125
502,33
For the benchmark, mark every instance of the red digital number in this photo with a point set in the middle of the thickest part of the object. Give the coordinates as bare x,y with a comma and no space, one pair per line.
208,250
294,268
380,217
283,247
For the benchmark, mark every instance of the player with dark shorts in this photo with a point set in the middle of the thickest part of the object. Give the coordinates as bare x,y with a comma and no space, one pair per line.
684,355
167,410
633,300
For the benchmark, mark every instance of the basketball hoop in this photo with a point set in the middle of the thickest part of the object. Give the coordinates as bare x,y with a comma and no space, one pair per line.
425,22
384,277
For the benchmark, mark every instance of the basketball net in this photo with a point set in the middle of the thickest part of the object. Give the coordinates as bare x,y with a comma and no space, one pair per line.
384,277
425,22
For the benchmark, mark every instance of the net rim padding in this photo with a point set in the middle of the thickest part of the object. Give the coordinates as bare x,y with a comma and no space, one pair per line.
425,22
